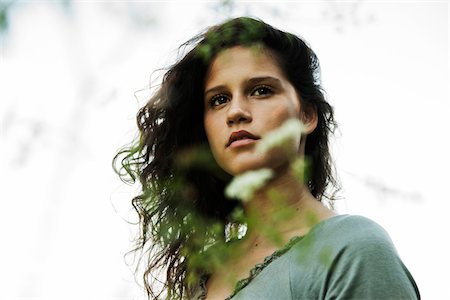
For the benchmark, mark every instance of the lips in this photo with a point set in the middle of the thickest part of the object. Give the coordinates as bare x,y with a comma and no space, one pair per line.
241,135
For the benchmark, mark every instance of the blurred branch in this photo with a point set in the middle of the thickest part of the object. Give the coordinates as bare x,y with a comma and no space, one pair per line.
383,190
345,14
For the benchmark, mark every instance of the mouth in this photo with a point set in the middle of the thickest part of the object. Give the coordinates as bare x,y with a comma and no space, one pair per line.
241,138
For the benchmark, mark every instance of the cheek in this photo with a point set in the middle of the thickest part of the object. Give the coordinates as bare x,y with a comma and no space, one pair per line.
212,130
282,113
208,126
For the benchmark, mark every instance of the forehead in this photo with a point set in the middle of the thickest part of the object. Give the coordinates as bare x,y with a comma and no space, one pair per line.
241,60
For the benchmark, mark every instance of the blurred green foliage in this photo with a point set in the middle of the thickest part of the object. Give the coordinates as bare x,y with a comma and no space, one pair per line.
4,9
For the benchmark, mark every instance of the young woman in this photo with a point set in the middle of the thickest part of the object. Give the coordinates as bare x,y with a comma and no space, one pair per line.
241,81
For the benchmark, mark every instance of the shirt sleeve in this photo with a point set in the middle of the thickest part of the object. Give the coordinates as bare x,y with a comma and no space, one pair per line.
368,267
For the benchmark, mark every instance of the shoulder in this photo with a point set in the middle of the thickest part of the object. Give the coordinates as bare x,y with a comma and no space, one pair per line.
362,262
354,222
357,239
352,231
345,241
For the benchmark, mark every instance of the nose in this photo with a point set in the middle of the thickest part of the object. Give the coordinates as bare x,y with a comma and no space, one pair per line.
238,112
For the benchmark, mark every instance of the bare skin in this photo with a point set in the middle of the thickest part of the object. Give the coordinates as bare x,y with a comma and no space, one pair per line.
256,245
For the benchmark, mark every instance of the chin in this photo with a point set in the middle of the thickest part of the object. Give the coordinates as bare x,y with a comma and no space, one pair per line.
240,168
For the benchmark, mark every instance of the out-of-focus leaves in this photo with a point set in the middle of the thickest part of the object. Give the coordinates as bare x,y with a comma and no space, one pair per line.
225,7
4,8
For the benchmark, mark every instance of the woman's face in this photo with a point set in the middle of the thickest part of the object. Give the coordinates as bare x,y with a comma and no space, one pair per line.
246,96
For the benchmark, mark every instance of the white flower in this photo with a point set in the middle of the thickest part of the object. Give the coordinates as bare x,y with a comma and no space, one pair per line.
280,136
245,185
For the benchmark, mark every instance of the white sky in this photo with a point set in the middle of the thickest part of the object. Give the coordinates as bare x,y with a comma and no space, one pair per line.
68,80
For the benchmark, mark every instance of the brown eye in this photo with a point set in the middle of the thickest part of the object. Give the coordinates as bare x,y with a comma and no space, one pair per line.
218,100
262,91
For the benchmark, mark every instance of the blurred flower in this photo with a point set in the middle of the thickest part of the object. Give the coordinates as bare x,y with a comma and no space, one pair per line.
280,136
245,185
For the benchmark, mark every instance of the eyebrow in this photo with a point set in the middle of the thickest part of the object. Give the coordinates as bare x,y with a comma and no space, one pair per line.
265,78
215,89
251,81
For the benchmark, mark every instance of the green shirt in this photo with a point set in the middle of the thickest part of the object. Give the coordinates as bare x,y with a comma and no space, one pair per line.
344,257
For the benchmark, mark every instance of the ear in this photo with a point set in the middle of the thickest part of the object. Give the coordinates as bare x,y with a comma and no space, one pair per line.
309,118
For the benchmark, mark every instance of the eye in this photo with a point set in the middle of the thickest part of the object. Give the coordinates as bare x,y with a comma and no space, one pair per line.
262,91
218,100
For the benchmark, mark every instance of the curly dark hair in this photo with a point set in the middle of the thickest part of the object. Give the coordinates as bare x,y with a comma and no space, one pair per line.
182,208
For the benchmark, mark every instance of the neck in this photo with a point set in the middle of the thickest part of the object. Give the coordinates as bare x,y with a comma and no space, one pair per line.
282,209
